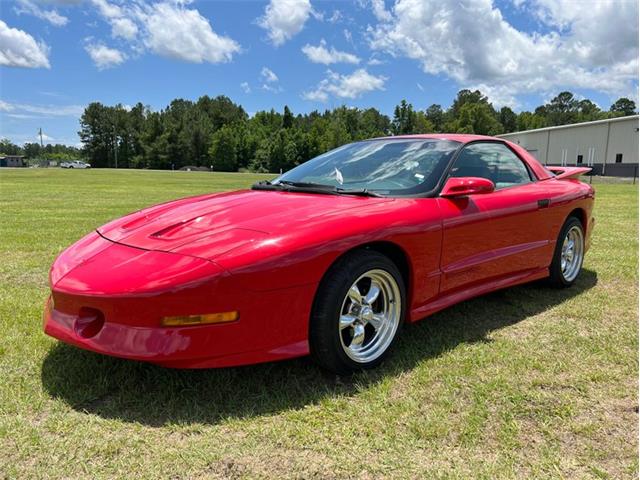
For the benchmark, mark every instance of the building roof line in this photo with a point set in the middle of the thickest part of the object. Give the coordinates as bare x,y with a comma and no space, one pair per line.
571,125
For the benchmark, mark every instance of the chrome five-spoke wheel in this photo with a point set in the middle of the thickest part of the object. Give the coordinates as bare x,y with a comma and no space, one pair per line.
572,253
357,313
569,254
370,315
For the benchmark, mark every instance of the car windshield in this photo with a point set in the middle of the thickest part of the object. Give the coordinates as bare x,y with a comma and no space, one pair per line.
398,166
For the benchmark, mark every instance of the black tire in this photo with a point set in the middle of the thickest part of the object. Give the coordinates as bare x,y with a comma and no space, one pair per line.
556,276
324,329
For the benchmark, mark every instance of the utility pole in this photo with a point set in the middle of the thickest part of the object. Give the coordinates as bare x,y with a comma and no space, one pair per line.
115,145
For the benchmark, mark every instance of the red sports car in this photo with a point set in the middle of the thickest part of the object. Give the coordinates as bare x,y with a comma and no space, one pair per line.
328,259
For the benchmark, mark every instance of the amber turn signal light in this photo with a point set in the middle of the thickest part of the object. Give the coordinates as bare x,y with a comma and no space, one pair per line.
187,320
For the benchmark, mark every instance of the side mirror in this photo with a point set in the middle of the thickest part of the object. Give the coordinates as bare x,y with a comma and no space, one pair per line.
463,186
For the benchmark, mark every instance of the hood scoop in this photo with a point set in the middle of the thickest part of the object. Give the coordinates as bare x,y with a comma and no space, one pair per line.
179,230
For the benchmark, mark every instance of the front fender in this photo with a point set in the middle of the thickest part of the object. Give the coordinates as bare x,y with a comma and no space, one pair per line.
302,256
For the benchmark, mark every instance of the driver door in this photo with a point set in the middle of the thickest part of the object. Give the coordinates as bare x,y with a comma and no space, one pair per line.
492,235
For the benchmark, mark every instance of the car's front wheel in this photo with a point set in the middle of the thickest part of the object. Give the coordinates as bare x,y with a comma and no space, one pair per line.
568,255
357,313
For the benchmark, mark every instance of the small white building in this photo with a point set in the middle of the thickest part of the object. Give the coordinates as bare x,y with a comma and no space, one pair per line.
609,146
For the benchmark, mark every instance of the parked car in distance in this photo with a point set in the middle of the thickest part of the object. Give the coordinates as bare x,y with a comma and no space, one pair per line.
328,259
75,164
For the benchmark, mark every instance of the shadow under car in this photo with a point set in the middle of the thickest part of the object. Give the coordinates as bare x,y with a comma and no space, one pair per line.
141,392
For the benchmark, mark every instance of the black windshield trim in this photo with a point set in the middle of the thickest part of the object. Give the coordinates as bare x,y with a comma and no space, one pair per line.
290,188
303,187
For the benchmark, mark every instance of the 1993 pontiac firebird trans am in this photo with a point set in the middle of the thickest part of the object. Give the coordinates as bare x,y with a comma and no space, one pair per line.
328,259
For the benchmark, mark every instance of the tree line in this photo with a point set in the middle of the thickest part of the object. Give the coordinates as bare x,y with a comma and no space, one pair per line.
216,133
34,151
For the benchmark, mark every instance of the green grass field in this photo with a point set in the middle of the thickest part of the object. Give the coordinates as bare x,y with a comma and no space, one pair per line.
528,382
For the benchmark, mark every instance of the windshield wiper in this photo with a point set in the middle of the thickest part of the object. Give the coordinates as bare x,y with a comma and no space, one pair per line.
319,186
362,192
290,186
331,189
262,183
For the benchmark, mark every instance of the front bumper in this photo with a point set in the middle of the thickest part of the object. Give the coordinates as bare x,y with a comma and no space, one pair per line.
206,346
133,289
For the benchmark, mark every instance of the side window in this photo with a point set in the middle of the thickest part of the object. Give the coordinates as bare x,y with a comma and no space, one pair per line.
493,161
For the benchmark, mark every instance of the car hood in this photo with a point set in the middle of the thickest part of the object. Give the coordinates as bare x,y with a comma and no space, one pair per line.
219,223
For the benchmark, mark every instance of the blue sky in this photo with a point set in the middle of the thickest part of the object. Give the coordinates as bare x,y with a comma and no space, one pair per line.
59,55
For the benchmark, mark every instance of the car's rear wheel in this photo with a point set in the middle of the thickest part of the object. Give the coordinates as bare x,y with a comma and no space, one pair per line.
568,255
357,313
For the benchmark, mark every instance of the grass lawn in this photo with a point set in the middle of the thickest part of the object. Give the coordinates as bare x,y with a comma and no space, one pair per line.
523,383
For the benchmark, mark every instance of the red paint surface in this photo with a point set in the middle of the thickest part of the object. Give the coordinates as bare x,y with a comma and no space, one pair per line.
263,253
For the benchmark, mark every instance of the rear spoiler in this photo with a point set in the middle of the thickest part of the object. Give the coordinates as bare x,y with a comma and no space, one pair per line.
568,172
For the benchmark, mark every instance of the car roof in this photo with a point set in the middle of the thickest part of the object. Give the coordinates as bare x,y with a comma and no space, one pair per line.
540,171
457,137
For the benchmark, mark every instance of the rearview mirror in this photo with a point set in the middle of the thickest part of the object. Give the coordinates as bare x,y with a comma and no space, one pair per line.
463,186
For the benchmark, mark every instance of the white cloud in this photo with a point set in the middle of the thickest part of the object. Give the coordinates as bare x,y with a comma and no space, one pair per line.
6,106
374,62
603,33
317,95
121,19
19,49
501,95
107,9
345,86
124,28
167,28
41,110
245,87
122,25
420,87
380,11
30,8
60,3
51,94
335,17
271,88
181,33
270,81
472,43
283,19
320,54
105,57
22,116
268,75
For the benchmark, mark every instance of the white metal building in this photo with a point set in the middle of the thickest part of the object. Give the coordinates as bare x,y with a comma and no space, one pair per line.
609,146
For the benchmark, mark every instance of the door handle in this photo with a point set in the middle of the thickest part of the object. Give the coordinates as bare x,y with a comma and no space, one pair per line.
544,203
